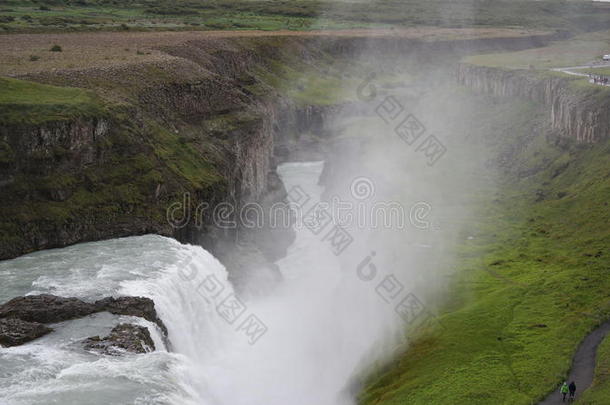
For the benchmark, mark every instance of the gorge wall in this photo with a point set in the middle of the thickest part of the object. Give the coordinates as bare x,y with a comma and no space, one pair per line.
577,112
207,127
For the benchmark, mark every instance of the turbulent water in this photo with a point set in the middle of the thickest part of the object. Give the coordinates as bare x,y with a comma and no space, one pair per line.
301,344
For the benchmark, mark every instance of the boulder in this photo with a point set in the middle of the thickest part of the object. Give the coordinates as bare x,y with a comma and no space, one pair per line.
22,316
15,332
133,306
46,308
123,338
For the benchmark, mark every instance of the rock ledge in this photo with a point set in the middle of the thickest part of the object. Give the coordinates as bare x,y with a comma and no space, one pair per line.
22,319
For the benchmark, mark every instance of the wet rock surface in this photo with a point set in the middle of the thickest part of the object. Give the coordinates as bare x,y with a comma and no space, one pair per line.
22,318
46,308
123,338
15,332
132,306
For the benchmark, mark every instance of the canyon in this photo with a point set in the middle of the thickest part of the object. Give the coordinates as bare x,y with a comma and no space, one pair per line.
207,125
155,146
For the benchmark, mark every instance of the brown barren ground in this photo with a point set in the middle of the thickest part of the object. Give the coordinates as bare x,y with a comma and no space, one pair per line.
22,54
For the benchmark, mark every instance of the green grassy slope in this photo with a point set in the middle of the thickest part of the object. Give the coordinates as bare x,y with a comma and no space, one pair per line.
529,286
579,50
596,71
33,103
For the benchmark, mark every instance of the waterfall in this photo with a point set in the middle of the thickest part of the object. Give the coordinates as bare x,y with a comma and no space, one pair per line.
318,324
300,344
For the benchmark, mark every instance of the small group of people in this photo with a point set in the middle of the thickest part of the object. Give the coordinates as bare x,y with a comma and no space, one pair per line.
603,80
565,389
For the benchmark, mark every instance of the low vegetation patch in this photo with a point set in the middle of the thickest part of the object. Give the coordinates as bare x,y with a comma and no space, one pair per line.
28,102
60,15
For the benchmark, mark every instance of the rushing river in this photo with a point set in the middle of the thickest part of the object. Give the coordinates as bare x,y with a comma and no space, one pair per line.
316,329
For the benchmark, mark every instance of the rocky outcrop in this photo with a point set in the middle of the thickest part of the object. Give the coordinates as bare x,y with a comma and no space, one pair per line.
23,317
37,148
15,332
132,306
577,113
123,338
46,308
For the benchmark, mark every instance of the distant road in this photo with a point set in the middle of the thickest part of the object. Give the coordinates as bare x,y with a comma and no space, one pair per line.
571,71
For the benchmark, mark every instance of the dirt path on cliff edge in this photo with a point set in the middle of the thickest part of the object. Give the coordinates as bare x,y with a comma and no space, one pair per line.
583,364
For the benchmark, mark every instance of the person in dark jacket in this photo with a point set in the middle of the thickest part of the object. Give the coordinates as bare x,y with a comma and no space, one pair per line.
572,388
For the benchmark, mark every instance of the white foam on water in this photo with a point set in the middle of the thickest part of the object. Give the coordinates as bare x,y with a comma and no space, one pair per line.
55,368
322,325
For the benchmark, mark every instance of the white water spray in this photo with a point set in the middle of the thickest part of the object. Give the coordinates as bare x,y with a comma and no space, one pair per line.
319,323
322,324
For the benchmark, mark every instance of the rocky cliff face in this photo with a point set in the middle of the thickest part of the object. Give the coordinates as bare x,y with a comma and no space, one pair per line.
188,129
35,142
36,148
575,112
202,129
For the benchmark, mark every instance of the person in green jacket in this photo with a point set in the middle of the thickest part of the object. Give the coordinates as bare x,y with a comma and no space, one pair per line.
564,390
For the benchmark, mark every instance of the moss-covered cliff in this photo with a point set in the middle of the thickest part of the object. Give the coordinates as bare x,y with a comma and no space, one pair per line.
80,165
